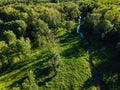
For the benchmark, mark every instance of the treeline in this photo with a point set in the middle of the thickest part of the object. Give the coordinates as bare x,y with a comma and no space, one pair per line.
23,29
101,24
26,31
103,19
6,2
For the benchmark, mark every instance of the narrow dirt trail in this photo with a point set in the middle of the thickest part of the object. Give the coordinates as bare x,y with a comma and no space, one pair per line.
97,82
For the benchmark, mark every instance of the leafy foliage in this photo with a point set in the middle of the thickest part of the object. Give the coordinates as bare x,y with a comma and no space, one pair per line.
39,48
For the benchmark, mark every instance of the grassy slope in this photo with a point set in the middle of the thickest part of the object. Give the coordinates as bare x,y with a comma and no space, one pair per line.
75,66
13,76
74,72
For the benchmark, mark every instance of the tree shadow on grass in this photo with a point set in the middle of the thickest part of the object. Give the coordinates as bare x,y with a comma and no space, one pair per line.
47,79
45,74
73,43
39,72
76,49
68,37
71,52
22,64
88,83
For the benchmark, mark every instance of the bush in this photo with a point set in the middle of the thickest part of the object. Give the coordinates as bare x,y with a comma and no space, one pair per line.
17,26
9,14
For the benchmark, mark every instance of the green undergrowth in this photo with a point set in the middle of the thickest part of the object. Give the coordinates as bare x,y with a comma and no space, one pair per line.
74,72
47,35
21,69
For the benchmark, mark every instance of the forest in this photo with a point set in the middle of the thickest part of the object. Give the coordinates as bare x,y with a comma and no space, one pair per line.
40,49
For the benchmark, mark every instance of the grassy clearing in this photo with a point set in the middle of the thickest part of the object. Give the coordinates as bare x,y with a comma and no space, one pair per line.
74,72
21,71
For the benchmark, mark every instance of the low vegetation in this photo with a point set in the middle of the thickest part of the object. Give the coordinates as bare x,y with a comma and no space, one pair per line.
40,50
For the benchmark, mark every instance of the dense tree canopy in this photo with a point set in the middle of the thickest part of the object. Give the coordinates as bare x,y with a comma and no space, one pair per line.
39,47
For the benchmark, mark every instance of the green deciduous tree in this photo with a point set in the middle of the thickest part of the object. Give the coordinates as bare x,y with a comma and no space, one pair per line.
71,10
51,16
69,25
33,85
17,26
3,58
30,83
39,32
10,37
105,27
23,47
9,13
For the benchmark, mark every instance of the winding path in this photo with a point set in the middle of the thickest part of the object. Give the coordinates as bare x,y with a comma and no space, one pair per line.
95,77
